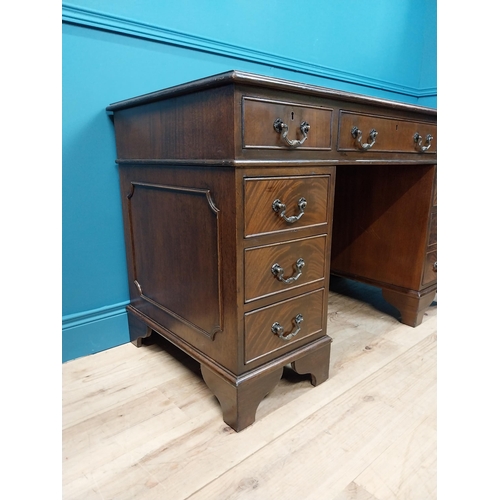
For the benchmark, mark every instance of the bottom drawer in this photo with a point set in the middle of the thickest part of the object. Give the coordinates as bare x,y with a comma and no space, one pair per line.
430,268
280,326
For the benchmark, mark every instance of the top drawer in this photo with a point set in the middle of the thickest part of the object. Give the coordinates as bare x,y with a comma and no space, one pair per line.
282,125
394,135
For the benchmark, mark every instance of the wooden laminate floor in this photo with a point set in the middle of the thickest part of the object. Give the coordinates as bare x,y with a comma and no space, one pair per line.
141,424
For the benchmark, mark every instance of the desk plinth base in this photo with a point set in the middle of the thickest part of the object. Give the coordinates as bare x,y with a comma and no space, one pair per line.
240,395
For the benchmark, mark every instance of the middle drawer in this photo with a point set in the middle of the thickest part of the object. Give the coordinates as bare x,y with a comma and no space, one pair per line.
273,269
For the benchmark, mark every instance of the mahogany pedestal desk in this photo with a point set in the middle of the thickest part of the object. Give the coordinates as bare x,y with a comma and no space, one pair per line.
227,187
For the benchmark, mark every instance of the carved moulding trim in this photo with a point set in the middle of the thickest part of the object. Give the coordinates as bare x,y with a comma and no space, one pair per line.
102,20
206,192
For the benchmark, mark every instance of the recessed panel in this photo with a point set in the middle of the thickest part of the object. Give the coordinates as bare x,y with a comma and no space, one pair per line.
169,227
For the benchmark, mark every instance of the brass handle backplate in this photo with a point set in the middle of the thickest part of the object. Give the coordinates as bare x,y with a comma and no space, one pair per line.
278,271
358,135
280,208
282,128
417,138
278,330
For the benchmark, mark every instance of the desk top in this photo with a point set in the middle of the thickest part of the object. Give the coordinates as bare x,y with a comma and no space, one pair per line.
243,78
239,117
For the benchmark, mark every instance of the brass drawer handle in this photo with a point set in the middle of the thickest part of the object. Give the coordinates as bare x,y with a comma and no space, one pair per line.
435,266
358,135
277,329
278,271
281,208
417,138
282,128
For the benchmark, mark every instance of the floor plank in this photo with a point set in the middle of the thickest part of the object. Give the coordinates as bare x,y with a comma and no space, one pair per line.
407,469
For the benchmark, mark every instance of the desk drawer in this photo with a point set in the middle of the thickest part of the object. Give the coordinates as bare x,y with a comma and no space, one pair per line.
293,319
272,269
433,230
275,204
259,116
430,268
393,135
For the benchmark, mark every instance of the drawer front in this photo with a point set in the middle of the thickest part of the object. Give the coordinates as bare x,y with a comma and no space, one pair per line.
270,201
263,327
430,268
435,193
273,269
259,116
433,230
393,134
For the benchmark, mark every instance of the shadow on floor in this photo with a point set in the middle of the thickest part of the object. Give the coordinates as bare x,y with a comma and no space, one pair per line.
174,351
365,293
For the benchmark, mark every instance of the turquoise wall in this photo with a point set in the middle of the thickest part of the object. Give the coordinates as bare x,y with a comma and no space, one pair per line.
117,49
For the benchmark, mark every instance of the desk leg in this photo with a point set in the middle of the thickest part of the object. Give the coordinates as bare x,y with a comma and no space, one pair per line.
239,400
138,330
412,305
317,363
